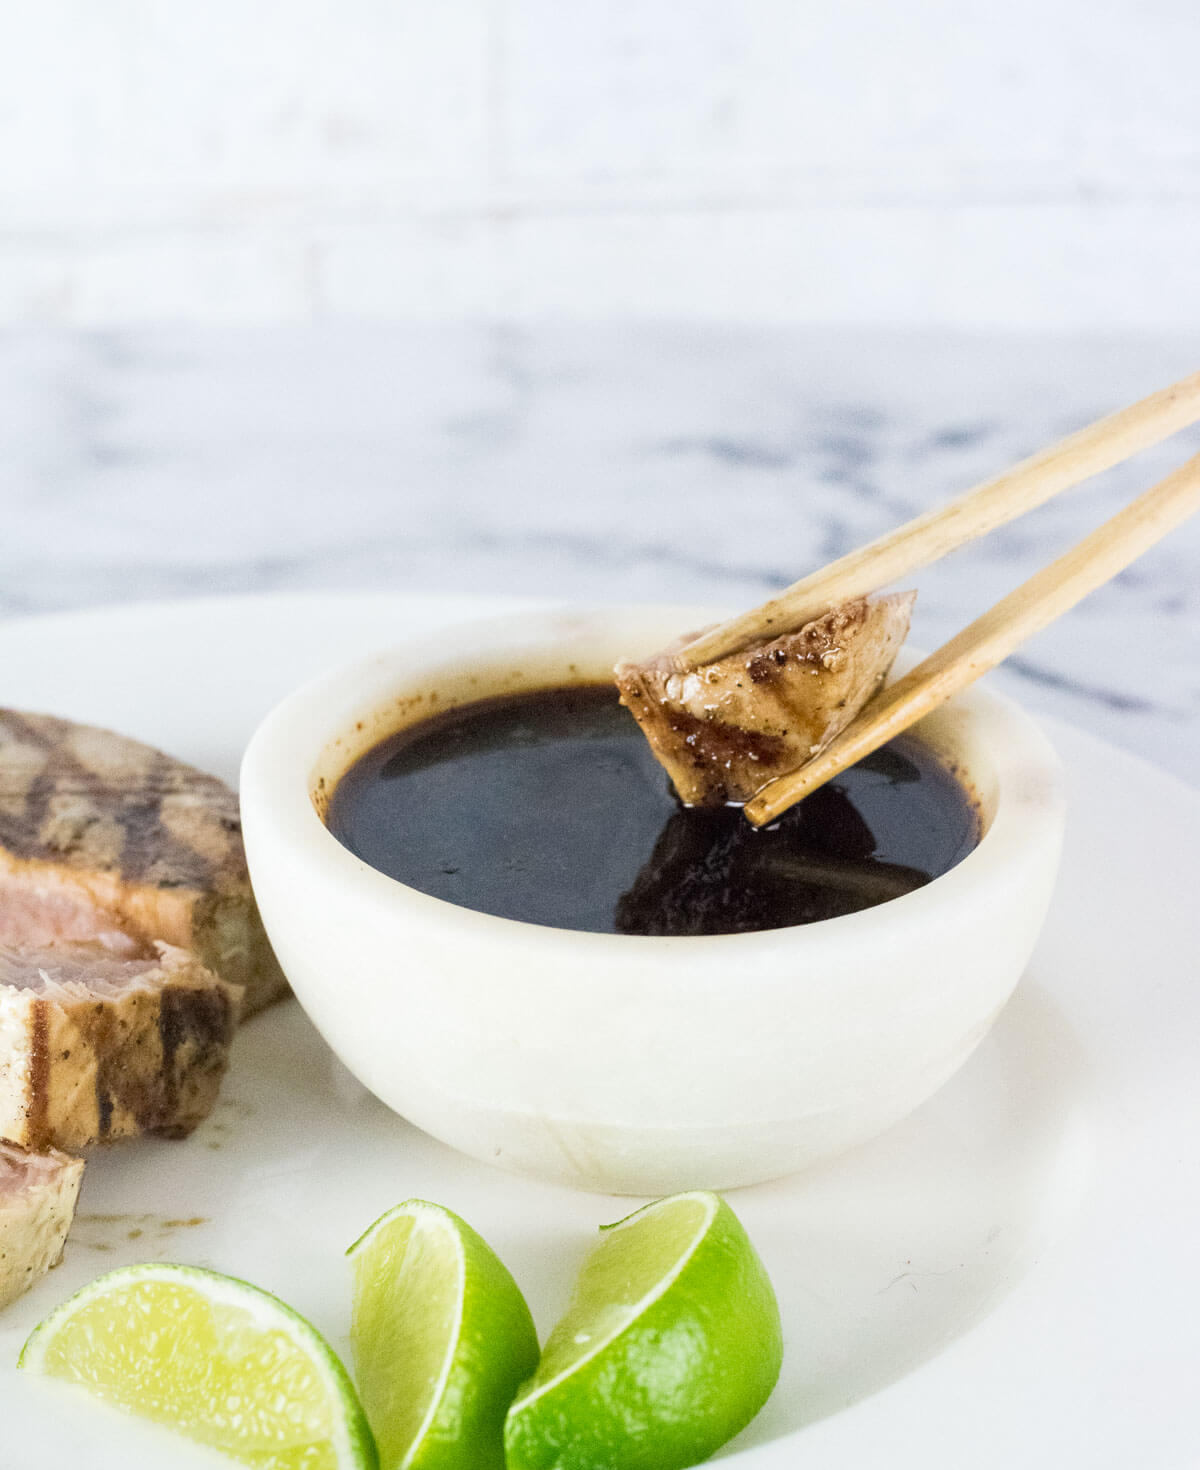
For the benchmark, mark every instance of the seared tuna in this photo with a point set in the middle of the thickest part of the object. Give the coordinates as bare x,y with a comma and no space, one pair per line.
95,1047
102,837
37,1203
725,729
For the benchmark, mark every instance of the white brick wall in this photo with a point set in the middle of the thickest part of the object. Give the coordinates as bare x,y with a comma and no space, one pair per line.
935,161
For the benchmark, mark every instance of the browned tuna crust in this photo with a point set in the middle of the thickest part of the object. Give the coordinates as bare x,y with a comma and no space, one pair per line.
724,730
94,1047
38,1193
91,821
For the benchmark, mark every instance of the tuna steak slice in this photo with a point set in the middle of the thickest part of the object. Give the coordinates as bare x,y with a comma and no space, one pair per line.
94,821
37,1204
724,730
95,1047
38,914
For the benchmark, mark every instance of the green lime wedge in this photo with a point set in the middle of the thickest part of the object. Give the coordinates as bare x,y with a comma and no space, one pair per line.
213,1357
442,1339
670,1346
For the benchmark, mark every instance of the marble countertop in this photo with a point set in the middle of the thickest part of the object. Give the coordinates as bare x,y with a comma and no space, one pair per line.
598,462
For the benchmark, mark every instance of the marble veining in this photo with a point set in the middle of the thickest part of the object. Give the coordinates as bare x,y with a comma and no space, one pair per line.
597,461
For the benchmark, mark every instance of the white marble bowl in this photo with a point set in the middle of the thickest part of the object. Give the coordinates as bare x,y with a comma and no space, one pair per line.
615,1062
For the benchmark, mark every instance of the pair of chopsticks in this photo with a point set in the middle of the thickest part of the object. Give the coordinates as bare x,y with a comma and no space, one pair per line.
993,636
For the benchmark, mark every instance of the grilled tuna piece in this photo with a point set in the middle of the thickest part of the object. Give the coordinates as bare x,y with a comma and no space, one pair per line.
95,1047
102,837
723,730
37,1203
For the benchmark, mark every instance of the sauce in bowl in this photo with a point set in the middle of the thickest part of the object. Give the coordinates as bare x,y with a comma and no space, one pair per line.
549,807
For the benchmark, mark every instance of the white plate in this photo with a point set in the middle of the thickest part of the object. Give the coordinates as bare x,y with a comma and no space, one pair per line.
1009,1277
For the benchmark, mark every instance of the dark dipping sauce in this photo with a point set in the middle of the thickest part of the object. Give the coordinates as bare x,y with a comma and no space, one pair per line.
549,807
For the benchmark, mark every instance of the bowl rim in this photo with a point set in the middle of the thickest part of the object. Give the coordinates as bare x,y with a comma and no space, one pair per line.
279,760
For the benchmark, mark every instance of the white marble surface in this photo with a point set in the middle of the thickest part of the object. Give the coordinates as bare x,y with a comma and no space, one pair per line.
588,462
940,161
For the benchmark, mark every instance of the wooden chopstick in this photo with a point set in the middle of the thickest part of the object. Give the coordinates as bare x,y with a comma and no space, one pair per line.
979,510
992,637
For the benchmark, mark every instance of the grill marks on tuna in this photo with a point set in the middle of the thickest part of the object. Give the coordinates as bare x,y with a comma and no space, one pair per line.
150,845
94,1048
129,942
724,730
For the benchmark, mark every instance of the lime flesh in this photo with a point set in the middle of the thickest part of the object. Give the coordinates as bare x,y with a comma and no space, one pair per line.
442,1339
670,1346
212,1357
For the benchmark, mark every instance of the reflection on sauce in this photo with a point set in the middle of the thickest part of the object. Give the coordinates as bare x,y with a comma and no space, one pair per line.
549,807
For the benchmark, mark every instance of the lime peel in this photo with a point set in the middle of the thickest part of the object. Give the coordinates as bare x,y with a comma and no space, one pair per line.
710,1203
670,1346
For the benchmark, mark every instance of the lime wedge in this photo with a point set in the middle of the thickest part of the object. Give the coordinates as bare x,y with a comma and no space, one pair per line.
671,1345
442,1339
213,1357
